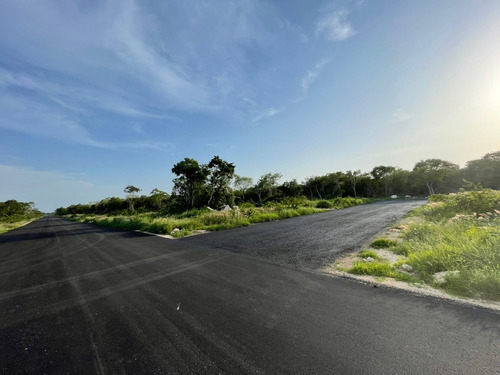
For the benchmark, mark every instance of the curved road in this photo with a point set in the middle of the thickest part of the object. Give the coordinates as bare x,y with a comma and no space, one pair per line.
312,241
81,299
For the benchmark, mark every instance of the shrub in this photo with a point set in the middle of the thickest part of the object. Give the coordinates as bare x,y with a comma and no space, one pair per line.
323,204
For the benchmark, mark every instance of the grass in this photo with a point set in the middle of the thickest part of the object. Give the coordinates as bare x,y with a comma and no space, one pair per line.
368,254
456,232
381,269
382,243
5,227
204,219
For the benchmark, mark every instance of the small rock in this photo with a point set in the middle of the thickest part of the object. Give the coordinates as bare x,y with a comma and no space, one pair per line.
407,268
175,230
440,277
394,196
226,208
369,259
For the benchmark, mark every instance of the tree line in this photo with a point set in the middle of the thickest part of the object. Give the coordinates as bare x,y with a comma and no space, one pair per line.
215,185
12,211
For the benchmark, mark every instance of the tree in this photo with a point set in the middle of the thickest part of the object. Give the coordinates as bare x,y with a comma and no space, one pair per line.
291,188
383,175
353,179
242,184
131,192
434,172
190,181
221,174
316,186
485,171
158,199
266,185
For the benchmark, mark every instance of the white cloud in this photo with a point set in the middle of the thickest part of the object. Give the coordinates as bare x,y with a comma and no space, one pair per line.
268,113
400,115
312,75
335,27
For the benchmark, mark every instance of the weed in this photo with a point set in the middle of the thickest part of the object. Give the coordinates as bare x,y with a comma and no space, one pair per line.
368,254
381,243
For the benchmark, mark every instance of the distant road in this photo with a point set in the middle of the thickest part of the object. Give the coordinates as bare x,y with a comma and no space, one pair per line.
313,241
81,299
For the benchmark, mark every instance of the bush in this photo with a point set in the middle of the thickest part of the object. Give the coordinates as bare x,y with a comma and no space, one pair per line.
323,204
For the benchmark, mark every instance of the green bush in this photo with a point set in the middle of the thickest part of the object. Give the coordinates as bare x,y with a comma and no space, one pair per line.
323,204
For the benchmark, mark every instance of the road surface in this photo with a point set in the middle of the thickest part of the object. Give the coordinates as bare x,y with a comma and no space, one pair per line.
312,241
81,299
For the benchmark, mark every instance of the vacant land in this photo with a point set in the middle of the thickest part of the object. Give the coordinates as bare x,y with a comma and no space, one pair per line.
179,225
452,243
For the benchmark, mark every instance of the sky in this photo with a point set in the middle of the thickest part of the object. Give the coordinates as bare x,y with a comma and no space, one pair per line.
98,95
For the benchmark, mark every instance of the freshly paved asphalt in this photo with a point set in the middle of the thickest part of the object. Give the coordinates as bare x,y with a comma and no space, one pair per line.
309,242
80,299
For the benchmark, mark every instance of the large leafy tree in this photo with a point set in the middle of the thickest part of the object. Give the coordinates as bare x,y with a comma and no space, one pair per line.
190,181
434,173
219,181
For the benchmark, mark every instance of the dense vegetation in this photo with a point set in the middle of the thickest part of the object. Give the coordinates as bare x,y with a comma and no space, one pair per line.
458,234
215,185
14,214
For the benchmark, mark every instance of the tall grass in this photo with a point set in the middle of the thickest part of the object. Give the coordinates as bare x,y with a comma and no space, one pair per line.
7,226
457,232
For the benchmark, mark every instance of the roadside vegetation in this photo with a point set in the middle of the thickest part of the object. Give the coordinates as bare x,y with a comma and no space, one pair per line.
452,243
14,214
205,196
185,223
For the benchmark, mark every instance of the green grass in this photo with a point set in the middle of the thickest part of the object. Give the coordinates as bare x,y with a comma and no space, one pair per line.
5,227
382,243
368,254
204,219
380,269
456,232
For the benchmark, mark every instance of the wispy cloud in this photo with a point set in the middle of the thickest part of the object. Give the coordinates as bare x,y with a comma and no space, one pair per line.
312,75
400,115
268,113
334,26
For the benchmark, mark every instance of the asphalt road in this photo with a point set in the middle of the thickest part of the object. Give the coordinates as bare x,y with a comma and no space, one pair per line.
309,242
81,299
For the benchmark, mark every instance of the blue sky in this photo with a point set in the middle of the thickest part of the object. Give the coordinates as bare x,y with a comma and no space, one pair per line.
95,96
